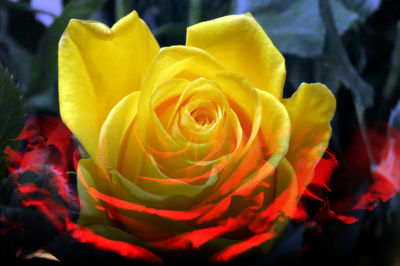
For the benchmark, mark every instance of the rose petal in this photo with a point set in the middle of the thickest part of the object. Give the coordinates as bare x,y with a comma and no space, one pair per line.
114,129
92,210
91,55
272,221
310,108
284,202
263,156
134,252
178,62
242,46
245,102
172,62
133,150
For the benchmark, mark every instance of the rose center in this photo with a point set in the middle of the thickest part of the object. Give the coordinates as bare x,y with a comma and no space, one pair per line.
202,116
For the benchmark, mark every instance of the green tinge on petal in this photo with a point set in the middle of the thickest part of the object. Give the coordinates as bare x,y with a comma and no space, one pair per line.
92,210
125,189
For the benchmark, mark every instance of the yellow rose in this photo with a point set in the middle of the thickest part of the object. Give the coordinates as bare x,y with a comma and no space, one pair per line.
192,147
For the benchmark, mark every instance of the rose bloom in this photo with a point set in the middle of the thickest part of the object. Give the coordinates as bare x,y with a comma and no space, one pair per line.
192,148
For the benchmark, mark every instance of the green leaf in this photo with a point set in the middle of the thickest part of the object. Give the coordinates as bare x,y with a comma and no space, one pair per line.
363,7
344,18
17,59
11,110
3,21
299,70
194,11
295,26
44,72
325,71
337,62
122,8
394,70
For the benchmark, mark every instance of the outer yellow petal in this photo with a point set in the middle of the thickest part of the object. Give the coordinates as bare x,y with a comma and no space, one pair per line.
98,66
311,108
275,124
241,45
113,131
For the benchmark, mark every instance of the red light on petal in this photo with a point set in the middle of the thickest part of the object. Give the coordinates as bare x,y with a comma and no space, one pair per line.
197,238
130,251
357,185
241,247
169,214
221,214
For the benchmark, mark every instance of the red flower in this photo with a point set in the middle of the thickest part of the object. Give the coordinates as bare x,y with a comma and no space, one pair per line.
39,173
360,183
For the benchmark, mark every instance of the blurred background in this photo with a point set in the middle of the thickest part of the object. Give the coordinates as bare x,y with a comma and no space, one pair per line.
353,46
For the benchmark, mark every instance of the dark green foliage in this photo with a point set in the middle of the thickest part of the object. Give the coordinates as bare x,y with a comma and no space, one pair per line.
11,111
338,62
302,33
296,27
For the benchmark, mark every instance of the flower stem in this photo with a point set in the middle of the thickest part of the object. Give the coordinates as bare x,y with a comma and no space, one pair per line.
394,70
194,11
120,9
339,51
